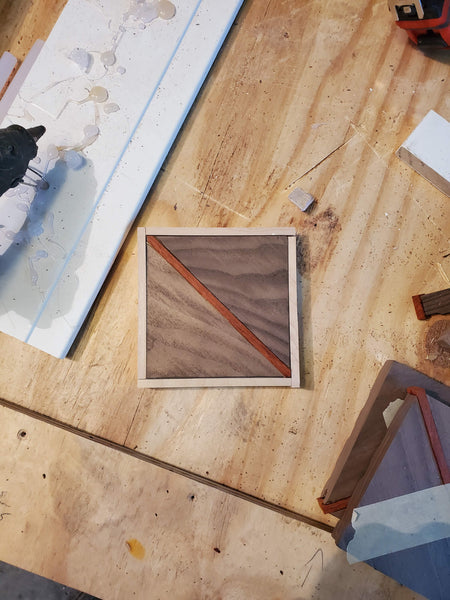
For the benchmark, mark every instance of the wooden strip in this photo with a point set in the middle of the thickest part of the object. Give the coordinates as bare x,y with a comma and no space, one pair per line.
220,231
170,467
216,382
370,427
432,432
215,302
418,307
333,507
187,337
427,148
363,483
73,503
249,275
8,66
436,303
15,85
293,314
142,304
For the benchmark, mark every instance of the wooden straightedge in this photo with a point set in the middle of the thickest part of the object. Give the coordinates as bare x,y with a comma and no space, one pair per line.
217,308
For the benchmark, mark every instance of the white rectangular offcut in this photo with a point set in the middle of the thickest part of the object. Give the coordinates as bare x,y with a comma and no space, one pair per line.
427,151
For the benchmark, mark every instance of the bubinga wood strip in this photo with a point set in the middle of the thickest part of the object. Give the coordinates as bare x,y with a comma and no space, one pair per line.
432,432
253,130
247,274
186,335
370,428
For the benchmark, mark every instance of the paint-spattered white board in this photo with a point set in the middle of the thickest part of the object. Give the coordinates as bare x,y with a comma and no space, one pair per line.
427,150
57,246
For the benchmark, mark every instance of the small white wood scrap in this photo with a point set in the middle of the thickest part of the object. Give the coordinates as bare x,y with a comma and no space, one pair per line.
427,151
301,199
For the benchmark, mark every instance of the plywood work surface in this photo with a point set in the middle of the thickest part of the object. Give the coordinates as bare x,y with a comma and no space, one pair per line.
92,517
319,96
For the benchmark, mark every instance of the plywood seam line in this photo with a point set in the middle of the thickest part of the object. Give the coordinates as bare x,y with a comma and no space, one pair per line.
218,305
169,467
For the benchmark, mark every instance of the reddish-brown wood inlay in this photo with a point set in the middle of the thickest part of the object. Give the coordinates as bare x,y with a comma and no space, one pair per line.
221,308
432,432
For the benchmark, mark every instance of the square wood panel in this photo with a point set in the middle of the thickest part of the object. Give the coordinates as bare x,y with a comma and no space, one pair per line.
217,307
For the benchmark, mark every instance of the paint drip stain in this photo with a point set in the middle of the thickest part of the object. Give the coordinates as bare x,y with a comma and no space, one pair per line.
135,548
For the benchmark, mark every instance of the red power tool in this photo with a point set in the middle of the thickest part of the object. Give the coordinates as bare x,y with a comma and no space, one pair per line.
427,22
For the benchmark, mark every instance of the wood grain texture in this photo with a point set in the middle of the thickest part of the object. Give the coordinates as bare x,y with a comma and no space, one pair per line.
435,303
187,336
249,276
116,527
441,459
370,428
24,21
391,448
403,463
321,93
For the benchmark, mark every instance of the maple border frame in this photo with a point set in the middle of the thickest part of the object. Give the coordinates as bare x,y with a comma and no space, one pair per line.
197,382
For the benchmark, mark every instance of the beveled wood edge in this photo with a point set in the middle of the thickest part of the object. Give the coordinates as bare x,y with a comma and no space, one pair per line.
216,382
288,231
293,314
142,304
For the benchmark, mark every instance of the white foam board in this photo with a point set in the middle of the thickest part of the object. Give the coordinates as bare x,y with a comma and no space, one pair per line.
52,271
427,150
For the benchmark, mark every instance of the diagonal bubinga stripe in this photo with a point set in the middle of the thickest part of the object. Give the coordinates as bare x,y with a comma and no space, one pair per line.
221,308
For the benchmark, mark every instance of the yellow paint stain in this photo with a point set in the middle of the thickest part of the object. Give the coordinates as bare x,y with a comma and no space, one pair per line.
136,549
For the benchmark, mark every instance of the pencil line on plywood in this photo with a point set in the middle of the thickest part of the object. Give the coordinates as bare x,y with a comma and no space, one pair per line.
217,304
169,467
341,145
